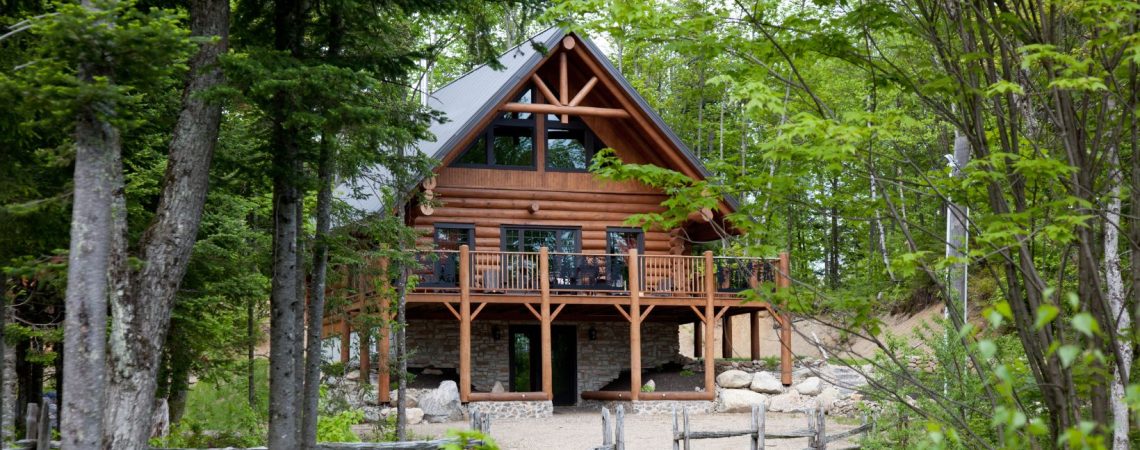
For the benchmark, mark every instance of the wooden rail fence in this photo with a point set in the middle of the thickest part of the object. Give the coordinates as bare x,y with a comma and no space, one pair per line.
815,432
616,440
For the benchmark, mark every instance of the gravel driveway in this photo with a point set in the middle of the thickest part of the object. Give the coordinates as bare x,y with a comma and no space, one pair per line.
580,428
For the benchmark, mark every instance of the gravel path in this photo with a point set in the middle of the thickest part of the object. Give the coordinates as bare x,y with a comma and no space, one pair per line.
579,428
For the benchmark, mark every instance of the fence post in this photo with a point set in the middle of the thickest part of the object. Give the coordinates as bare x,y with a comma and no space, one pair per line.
821,427
31,421
755,436
43,437
685,434
607,440
619,430
760,425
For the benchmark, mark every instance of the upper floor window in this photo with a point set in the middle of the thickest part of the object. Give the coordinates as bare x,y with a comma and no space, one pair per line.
570,146
509,142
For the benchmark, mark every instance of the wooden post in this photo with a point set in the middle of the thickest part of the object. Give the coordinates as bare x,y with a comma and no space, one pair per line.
754,331
676,431
607,439
710,328
383,380
634,326
43,437
464,323
686,433
563,85
544,312
726,337
619,431
31,421
345,341
783,282
366,356
697,345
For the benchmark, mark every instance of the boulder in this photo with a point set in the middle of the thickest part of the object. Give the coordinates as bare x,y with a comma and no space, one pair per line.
353,375
810,386
413,397
415,415
791,402
498,388
734,379
739,400
765,383
373,414
442,404
828,397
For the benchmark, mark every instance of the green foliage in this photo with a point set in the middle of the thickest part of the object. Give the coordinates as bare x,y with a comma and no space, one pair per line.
469,439
338,428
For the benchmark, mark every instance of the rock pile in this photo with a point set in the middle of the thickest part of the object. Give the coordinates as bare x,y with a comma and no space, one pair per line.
835,388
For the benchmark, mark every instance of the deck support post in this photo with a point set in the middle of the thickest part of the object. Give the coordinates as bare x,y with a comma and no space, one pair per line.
544,313
697,345
464,324
726,337
710,324
634,326
345,340
783,282
365,356
383,350
754,334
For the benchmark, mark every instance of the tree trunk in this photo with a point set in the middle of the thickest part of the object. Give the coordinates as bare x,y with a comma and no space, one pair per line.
284,301
1115,286
317,293
957,237
251,345
142,315
299,315
97,151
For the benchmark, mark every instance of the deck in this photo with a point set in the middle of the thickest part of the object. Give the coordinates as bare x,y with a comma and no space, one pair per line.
545,286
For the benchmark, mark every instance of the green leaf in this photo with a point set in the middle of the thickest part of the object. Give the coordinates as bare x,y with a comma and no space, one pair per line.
1068,353
987,348
1045,315
1086,324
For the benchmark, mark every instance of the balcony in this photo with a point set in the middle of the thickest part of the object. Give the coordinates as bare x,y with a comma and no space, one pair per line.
582,274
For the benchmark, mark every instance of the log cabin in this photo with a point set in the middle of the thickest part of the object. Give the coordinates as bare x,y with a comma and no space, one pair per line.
532,286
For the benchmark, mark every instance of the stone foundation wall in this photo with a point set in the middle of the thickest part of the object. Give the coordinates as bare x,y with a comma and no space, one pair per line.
436,344
514,410
653,407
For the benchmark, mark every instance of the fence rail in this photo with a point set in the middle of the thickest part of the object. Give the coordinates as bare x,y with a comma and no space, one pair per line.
815,431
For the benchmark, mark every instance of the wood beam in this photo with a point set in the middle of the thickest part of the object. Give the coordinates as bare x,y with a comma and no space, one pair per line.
783,282
542,108
646,313
546,93
726,337
554,315
582,93
710,293
383,374
453,311
696,311
754,334
563,84
365,356
634,326
544,285
537,316
623,313
477,310
464,323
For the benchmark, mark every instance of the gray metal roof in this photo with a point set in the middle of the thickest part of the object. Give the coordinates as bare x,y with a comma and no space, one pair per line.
467,99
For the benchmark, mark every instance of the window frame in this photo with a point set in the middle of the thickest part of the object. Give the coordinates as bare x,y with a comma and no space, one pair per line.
488,135
640,237
469,227
504,227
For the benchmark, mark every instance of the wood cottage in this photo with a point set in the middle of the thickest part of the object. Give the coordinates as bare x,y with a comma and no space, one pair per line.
530,279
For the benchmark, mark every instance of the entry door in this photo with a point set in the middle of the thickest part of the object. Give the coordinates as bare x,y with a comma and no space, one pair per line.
526,361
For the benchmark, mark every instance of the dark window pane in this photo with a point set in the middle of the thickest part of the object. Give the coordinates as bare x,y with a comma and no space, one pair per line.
566,149
476,154
513,146
525,97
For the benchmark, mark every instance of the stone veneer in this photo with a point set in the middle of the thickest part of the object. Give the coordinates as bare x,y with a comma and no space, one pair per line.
514,410
435,343
653,407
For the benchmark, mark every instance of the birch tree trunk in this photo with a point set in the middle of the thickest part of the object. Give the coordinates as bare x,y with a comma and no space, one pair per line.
1115,293
142,313
957,236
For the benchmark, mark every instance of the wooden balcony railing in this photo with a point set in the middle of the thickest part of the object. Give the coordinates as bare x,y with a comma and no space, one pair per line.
498,272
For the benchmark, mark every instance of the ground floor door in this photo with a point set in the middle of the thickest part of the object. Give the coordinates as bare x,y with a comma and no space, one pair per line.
526,361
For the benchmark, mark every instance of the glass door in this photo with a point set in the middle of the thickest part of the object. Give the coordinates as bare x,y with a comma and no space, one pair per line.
619,241
449,237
